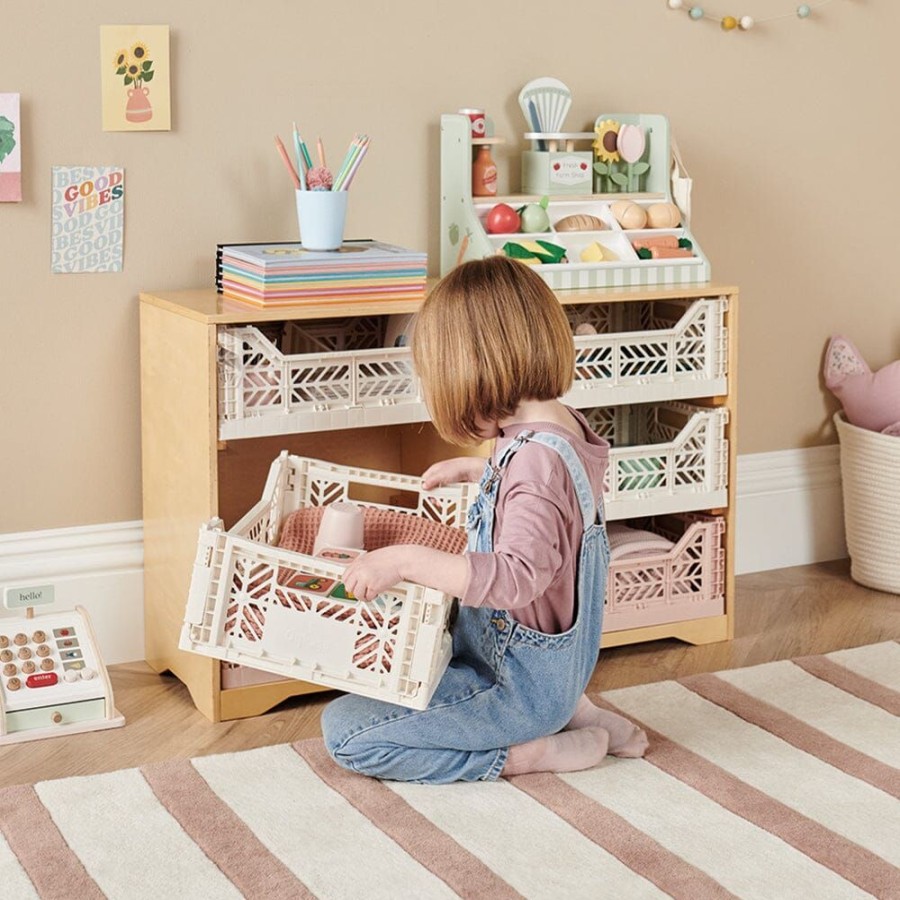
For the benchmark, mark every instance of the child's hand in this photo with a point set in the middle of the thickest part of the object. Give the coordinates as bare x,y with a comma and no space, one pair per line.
368,575
453,471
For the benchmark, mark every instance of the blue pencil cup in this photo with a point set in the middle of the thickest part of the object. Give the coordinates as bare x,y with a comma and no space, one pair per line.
321,216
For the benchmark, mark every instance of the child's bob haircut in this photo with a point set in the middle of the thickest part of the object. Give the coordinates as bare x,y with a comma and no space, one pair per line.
490,335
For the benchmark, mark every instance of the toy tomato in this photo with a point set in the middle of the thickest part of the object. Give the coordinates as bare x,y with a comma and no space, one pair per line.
502,219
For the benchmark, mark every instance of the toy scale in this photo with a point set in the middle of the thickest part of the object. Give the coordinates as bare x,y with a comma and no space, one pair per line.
52,679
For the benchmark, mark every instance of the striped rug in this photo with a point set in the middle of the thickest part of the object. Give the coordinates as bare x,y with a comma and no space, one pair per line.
776,781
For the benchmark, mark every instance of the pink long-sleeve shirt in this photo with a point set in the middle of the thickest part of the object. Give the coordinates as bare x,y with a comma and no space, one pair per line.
537,530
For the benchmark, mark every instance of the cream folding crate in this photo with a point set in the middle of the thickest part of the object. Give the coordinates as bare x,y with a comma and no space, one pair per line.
647,351
257,604
665,458
309,377
684,582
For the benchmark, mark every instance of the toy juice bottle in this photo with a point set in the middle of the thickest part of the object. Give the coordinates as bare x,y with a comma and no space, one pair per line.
484,173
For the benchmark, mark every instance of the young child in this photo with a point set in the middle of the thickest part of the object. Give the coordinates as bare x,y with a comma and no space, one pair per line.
494,352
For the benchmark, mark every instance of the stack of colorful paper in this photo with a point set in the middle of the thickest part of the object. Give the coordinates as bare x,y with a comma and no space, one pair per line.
285,274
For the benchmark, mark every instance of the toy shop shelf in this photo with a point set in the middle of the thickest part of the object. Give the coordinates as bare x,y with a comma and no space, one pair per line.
665,458
687,582
241,608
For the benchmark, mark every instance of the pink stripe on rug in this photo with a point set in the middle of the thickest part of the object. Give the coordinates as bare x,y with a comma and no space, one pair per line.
857,685
642,854
54,869
798,734
220,834
854,863
435,850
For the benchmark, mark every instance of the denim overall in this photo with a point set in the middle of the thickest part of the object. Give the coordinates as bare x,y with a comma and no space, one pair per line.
506,684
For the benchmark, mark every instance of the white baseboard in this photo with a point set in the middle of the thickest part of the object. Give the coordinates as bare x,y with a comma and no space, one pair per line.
99,567
789,509
789,513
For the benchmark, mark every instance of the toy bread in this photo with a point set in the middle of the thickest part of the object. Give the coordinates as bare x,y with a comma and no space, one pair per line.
579,222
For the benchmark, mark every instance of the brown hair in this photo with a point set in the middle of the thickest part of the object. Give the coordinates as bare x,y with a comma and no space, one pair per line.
490,335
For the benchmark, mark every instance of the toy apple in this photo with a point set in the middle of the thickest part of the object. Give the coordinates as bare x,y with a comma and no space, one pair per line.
534,217
502,219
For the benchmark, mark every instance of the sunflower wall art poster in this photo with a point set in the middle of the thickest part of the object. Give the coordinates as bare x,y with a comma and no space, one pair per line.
134,77
10,148
88,219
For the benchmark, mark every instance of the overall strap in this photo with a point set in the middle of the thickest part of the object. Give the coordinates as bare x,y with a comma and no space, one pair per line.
591,510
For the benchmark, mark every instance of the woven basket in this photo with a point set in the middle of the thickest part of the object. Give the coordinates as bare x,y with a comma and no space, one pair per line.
870,471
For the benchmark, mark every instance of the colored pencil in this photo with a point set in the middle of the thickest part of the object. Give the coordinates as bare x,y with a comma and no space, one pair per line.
356,146
301,162
321,149
287,162
354,167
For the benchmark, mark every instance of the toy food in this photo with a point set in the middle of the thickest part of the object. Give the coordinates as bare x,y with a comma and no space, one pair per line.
628,214
596,252
663,215
535,252
502,219
534,218
579,222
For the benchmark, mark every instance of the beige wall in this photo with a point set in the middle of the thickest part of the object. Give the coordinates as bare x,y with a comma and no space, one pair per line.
788,132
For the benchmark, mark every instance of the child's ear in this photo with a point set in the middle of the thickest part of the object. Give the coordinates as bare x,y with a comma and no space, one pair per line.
842,359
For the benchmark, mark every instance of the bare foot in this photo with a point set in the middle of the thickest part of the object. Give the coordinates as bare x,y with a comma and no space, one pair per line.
625,738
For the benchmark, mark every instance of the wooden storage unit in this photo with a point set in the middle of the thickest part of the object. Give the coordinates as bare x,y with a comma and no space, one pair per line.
191,476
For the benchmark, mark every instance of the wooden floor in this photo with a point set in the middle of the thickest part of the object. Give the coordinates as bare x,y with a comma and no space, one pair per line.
779,614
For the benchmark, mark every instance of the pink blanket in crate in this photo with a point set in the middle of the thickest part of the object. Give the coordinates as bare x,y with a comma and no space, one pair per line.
382,528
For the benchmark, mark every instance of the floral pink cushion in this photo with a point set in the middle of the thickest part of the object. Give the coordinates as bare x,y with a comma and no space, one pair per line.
870,399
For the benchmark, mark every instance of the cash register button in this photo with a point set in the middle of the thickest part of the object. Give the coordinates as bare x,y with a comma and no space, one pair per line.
44,650
47,664
28,667
10,669
87,673
39,637
4,641
6,655
44,679
71,676
13,684
24,652
20,639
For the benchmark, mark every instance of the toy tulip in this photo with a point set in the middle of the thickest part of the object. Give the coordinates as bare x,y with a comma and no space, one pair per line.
631,144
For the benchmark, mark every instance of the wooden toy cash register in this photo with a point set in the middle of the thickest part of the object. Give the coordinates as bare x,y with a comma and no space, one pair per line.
52,679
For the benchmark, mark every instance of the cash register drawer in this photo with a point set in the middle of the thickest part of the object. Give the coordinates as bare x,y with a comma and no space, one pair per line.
43,716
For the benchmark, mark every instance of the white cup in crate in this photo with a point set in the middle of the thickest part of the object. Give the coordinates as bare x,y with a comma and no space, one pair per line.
342,527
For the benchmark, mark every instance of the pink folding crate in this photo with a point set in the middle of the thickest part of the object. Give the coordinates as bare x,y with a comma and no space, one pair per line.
685,582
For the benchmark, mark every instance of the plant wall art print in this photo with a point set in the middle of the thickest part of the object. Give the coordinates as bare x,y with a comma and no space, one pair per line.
10,148
134,69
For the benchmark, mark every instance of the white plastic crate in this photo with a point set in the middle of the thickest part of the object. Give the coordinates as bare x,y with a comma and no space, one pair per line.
649,351
241,610
665,458
687,582
267,390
